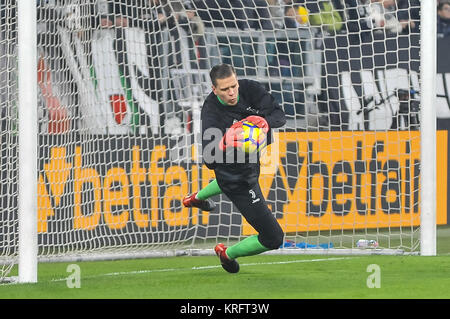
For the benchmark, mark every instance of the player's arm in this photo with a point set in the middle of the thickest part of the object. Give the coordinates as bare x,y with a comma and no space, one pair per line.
217,140
272,111
269,108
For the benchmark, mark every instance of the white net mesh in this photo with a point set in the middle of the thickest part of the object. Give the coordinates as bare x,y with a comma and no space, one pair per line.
8,133
120,91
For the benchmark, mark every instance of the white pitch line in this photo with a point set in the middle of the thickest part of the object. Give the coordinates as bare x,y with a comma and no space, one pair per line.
139,272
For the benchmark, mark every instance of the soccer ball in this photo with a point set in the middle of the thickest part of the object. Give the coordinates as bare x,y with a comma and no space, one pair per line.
254,138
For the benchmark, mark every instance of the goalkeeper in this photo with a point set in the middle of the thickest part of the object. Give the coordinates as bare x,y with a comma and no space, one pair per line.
231,102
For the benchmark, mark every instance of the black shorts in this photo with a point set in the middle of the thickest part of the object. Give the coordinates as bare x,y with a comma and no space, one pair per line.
251,203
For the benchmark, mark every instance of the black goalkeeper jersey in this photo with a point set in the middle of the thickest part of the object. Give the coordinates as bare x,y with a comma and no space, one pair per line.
254,99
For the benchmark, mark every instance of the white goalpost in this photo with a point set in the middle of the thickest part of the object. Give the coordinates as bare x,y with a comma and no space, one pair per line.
428,129
100,116
27,141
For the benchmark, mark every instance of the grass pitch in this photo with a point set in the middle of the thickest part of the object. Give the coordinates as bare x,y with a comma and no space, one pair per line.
260,277
275,277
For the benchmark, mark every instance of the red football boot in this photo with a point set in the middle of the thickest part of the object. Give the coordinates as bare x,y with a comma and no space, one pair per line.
230,265
191,201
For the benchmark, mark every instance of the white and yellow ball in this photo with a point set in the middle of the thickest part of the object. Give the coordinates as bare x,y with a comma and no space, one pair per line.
254,138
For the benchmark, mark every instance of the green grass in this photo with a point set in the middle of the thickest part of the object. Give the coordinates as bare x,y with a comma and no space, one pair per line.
275,277
261,277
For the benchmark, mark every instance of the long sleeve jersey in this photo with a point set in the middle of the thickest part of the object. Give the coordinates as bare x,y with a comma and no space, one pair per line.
216,118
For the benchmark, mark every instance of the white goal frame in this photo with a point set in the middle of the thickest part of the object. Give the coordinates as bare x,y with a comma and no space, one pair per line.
428,128
28,137
27,53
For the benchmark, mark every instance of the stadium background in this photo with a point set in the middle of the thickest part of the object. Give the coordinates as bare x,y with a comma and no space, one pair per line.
161,157
94,200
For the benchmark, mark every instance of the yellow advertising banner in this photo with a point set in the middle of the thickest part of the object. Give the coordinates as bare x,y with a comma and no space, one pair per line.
349,180
311,180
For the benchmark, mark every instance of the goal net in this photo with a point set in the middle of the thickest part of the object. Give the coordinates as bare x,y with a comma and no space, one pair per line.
8,133
120,89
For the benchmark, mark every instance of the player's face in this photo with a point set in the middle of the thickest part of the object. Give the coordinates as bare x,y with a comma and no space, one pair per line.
227,89
445,11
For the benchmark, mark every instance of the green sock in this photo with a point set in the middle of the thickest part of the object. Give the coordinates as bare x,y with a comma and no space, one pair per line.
210,190
248,247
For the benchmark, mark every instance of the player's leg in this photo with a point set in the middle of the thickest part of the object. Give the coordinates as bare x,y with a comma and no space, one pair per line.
201,199
209,190
253,207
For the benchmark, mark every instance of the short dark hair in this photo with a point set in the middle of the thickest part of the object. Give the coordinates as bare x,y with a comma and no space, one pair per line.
221,71
442,4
